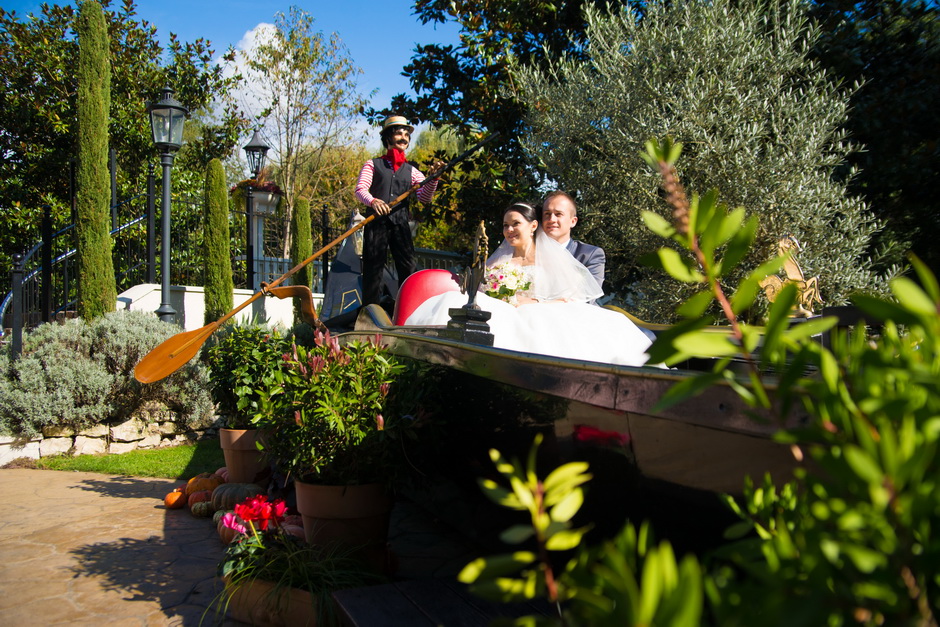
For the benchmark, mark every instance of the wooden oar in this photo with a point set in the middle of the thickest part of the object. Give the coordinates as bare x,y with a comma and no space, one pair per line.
175,351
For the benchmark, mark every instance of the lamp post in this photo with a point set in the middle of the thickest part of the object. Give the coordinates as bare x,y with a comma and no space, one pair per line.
166,121
255,151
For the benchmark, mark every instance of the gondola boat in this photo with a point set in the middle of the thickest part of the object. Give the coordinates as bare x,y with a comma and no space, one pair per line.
708,443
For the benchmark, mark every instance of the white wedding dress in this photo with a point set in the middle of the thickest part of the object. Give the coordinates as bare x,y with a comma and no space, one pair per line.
574,329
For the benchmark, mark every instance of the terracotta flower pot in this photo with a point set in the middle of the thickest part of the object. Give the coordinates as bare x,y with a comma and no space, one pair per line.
245,463
354,517
257,603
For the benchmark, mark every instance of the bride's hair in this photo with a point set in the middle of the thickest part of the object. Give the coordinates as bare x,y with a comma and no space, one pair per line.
528,211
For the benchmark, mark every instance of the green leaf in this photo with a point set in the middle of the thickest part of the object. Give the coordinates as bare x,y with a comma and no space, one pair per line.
686,389
490,567
705,344
564,478
912,297
695,306
884,310
730,225
568,507
565,540
927,278
677,267
863,464
744,296
517,534
738,246
658,224
809,328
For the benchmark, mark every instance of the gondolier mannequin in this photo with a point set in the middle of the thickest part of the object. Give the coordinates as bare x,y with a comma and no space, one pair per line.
559,215
380,180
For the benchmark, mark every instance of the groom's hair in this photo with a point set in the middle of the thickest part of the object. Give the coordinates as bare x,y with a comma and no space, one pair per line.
556,194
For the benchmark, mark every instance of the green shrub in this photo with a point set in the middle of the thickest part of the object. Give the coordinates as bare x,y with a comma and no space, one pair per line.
237,364
81,373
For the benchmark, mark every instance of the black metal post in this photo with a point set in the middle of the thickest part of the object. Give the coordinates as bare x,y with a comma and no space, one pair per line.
46,258
166,313
151,227
250,234
17,280
112,161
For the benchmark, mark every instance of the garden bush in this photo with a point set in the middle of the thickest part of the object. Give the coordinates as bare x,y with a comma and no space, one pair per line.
81,373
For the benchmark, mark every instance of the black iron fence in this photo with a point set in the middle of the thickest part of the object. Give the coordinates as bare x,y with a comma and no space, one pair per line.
44,280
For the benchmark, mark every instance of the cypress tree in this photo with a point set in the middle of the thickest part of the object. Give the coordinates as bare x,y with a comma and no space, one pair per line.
218,286
302,244
97,291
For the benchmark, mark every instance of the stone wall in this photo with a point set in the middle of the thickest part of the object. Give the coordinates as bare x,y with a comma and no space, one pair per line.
152,426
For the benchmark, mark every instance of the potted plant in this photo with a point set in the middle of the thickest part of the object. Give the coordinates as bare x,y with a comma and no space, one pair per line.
273,578
265,193
239,363
326,428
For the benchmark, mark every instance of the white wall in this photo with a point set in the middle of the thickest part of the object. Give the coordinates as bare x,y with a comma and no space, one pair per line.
189,303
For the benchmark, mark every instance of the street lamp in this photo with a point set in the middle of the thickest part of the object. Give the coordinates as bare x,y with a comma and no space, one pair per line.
166,121
255,151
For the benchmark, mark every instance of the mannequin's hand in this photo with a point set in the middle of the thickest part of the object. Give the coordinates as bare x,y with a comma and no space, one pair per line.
380,207
437,168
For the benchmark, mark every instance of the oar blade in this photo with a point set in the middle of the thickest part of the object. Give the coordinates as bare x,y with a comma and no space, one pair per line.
172,354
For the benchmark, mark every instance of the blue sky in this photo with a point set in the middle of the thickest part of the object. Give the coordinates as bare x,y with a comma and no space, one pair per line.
380,35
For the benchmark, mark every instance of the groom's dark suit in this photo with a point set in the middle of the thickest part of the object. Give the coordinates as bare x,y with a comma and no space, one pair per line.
592,257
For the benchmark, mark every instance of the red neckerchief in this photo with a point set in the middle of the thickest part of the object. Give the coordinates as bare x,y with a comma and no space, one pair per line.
395,157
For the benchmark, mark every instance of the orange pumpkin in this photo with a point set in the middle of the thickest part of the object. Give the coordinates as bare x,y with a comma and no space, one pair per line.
199,497
175,499
203,481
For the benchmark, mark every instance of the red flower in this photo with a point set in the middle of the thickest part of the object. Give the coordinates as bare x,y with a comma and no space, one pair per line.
593,435
262,514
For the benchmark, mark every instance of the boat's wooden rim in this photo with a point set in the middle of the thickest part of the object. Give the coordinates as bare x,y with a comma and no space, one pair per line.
613,387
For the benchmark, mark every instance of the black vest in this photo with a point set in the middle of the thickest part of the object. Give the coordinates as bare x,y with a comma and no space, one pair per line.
387,185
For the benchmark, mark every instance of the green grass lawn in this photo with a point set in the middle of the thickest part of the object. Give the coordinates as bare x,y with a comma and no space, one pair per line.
174,462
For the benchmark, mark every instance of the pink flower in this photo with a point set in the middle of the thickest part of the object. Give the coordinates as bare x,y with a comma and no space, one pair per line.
380,422
593,435
233,522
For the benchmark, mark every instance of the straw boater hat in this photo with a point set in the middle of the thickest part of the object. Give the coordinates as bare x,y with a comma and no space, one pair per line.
397,120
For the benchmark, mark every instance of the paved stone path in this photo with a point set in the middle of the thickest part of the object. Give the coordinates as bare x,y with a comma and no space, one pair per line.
91,549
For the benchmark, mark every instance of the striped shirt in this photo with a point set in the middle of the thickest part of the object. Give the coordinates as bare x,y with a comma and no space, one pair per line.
425,194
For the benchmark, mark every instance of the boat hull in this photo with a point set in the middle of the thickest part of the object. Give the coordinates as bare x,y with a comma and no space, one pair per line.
710,442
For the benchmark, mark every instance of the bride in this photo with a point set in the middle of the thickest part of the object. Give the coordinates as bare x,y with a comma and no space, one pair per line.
554,315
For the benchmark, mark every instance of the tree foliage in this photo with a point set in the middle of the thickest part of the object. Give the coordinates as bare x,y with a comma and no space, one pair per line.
468,87
218,259
311,82
759,119
38,94
97,293
892,47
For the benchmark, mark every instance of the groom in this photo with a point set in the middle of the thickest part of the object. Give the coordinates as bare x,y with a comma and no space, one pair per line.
559,215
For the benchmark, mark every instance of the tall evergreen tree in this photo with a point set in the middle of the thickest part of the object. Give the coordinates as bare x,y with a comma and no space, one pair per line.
732,80
301,244
219,286
97,293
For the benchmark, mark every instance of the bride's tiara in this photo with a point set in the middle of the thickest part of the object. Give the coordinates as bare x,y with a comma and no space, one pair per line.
522,204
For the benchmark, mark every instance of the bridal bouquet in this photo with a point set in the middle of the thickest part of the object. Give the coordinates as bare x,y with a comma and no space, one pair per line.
504,280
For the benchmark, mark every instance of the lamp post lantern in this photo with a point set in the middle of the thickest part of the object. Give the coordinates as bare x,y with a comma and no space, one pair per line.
166,121
255,151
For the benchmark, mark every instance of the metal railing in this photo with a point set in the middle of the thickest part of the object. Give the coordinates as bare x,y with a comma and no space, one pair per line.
44,280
